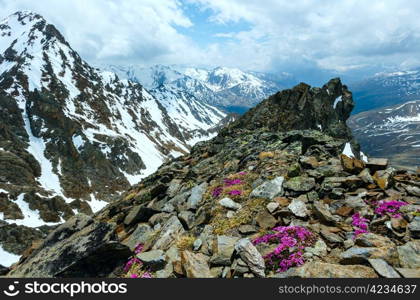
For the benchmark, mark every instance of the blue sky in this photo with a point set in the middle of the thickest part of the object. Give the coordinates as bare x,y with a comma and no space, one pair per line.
313,40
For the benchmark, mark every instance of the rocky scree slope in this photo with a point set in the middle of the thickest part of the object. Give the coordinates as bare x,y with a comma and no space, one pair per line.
262,199
72,137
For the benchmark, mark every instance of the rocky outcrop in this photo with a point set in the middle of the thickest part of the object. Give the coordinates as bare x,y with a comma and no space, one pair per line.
304,209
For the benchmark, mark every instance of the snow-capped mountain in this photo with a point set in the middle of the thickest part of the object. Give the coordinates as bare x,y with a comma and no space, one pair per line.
72,137
392,132
223,87
386,89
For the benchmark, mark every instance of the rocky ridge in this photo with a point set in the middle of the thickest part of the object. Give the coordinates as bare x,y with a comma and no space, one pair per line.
272,195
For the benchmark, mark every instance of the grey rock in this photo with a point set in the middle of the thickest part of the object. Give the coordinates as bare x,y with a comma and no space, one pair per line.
174,187
272,207
170,231
230,204
247,229
251,257
187,218
331,237
414,227
138,214
298,208
196,196
92,244
300,184
354,201
409,254
269,189
197,244
239,267
383,268
323,212
366,177
141,235
409,273
319,249
154,259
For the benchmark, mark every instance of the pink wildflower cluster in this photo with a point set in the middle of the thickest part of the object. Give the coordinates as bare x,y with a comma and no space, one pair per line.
390,207
292,241
144,275
135,261
131,262
229,183
360,223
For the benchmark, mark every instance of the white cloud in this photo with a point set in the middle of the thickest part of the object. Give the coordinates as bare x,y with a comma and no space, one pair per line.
283,35
113,29
339,35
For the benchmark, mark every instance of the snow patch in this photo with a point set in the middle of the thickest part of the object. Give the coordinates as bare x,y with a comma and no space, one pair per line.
7,259
338,99
347,150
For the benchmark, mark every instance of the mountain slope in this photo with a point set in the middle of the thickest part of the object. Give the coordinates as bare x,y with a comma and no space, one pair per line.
386,89
306,207
392,132
228,88
73,137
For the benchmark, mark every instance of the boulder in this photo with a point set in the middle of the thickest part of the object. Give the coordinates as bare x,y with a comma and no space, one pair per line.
154,259
269,189
251,257
265,220
409,254
74,250
140,235
300,184
168,234
223,247
196,196
137,214
195,265
383,268
376,164
409,273
229,204
298,208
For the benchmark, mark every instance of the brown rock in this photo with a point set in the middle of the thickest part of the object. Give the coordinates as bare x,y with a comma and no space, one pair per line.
265,220
344,211
351,165
316,269
282,201
195,265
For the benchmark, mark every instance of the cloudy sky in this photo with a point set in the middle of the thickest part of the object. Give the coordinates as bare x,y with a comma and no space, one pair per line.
311,39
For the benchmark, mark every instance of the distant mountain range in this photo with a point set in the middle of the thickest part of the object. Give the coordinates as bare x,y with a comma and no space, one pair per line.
386,89
231,89
392,132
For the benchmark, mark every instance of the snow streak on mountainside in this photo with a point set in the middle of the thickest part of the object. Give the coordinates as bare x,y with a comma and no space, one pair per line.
73,137
221,86
386,89
392,132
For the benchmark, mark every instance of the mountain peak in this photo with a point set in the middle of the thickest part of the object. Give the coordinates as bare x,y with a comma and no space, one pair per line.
303,107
